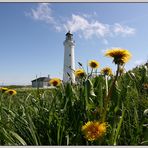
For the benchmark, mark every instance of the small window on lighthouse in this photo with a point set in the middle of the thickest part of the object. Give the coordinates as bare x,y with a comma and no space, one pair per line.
69,54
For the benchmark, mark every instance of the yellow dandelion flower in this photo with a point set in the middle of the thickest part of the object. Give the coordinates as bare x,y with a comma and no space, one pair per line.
107,71
120,56
93,64
3,89
55,82
145,86
79,73
102,127
11,92
93,130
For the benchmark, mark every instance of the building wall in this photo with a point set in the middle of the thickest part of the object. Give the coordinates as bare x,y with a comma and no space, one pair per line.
34,84
40,84
45,84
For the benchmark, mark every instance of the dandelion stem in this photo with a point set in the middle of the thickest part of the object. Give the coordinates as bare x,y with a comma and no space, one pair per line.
91,72
107,98
106,82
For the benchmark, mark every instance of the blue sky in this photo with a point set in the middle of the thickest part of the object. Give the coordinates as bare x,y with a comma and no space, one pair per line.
32,35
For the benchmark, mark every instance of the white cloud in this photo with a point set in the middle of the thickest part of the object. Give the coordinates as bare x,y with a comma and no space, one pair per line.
76,23
58,28
84,25
123,30
86,15
42,13
88,28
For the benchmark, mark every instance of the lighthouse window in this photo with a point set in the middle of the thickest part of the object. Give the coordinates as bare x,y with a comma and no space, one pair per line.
69,54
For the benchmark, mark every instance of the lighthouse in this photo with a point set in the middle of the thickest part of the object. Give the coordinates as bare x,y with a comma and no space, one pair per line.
69,60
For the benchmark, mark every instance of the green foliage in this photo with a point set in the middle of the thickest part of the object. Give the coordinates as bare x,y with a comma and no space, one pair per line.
55,116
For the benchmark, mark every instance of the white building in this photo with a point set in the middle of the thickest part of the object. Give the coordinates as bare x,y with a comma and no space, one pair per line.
69,60
42,82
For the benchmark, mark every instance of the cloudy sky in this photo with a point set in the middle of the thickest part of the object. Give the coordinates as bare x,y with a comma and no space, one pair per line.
32,35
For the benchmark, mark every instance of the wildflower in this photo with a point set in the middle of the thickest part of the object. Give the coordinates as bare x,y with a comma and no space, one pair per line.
94,130
120,56
107,71
55,82
93,64
3,89
11,92
145,86
79,73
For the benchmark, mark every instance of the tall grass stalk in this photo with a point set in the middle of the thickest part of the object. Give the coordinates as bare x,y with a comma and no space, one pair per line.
107,98
55,116
117,136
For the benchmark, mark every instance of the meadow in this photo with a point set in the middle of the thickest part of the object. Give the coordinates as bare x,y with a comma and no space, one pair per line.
100,109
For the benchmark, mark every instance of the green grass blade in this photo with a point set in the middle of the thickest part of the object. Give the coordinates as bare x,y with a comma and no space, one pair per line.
15,135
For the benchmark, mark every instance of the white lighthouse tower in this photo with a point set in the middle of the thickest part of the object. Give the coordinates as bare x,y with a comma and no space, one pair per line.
69,60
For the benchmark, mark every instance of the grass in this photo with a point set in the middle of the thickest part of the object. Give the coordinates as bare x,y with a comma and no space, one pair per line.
55,116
